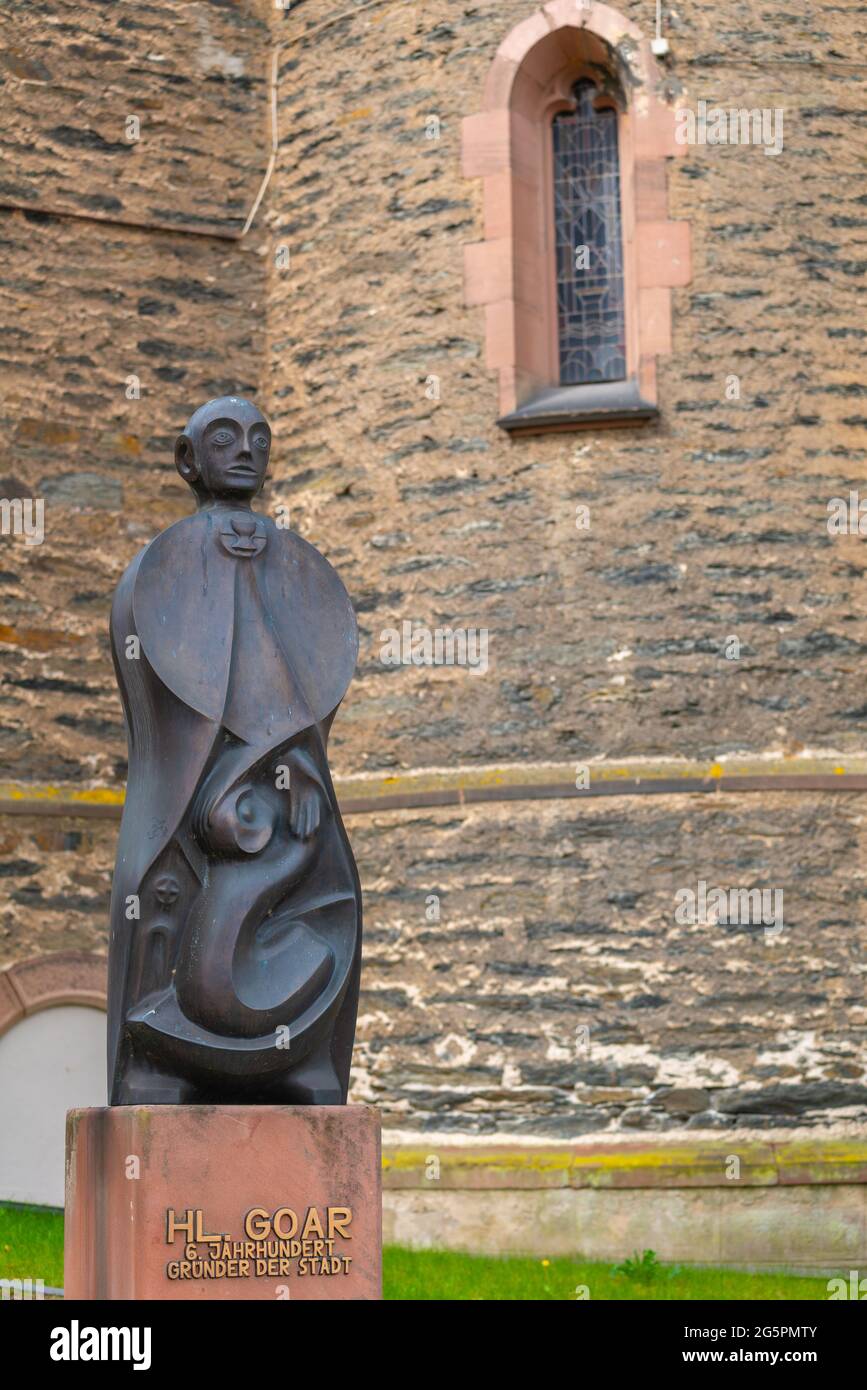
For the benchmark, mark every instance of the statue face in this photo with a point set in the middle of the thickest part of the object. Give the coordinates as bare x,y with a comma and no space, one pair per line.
224,451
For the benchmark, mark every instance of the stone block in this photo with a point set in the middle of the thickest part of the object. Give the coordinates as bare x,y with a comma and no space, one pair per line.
192,1202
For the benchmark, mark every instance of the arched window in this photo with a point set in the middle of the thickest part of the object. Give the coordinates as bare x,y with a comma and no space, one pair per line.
591,331
579,258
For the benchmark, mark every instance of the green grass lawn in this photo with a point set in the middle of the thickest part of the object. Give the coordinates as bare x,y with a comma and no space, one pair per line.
441,1274
31,1246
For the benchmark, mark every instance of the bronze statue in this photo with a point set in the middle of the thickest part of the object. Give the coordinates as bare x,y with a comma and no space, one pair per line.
236,907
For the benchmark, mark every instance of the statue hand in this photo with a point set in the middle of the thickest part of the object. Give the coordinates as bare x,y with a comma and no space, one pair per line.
305,810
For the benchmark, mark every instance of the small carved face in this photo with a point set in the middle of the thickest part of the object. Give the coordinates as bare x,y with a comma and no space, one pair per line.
226,453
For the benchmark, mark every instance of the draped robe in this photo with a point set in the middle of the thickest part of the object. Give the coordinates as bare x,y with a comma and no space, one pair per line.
235,928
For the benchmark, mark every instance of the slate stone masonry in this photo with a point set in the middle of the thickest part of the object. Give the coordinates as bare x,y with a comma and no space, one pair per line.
607,642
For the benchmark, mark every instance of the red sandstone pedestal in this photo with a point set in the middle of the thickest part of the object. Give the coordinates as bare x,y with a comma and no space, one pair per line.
223,1202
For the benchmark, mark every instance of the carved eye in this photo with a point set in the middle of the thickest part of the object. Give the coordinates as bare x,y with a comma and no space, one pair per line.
260,441
222,437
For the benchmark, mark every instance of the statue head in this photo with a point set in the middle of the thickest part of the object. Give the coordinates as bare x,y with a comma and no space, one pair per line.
223,452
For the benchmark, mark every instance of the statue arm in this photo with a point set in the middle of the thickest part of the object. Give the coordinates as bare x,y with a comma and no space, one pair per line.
307,789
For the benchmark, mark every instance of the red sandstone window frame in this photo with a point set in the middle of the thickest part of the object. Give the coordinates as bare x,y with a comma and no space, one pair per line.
46,982
511,273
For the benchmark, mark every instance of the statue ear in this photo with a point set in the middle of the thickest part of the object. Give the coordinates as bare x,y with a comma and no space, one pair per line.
185,459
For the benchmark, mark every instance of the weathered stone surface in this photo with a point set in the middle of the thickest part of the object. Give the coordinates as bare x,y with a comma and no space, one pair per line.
556,917
603,643
134,1171
709,525
56,886
684,1100
193,76
792,1100
68,977
11,1008
799,1229
101,462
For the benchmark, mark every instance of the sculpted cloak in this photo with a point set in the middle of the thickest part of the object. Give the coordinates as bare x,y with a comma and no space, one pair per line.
236,907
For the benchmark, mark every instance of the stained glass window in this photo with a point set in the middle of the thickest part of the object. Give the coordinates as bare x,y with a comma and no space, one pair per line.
589,242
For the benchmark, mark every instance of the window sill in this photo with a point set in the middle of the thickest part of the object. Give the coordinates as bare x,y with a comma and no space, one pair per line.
573,407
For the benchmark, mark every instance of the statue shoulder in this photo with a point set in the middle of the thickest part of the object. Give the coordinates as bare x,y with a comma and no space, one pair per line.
300,554
178,531
279,535
132,568
312,614
122,601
